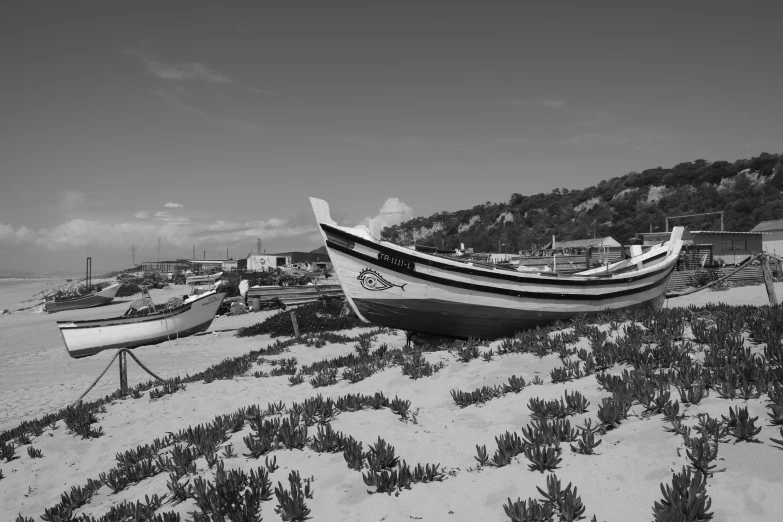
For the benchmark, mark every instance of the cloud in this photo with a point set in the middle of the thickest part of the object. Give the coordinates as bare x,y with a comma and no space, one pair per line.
176,103
183,71
71,199
548,103
553,104
393,212
171,204
175,231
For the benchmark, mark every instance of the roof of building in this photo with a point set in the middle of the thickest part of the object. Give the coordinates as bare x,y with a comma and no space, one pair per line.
722,232
584,243
768,226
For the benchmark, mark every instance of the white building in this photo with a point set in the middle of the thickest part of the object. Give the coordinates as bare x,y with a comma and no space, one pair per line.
771,236
266,262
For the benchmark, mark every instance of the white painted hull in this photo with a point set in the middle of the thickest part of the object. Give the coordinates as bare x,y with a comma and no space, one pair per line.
83,338
396,287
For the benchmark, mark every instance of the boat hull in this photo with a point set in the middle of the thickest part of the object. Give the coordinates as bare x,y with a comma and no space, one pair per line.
462,321
103,297
395,287
85,338
200,280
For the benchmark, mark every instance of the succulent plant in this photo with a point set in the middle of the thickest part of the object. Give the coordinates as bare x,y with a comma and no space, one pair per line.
543,458
529,510
685,499
290,505
34,453
7,452
741,425
381,456
481,458
353,453
586,444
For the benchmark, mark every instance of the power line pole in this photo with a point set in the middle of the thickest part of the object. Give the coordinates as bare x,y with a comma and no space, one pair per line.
133,254
160,244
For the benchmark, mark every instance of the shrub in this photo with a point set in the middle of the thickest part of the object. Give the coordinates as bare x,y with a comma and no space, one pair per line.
312,317
290,505
685,499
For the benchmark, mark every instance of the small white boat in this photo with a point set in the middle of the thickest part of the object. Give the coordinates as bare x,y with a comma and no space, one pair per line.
203,279
393,286
144,323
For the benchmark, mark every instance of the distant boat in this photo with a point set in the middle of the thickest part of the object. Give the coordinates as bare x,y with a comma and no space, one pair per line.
144,323
94,298
203,279
396,287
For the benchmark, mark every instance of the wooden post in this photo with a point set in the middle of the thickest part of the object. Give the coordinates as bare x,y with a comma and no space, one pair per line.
123,373
773,300
587,258
296,326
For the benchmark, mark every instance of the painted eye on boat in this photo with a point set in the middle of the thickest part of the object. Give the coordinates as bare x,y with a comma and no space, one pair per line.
372,280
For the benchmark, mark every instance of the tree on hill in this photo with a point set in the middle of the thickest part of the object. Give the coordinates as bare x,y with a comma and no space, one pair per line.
748,191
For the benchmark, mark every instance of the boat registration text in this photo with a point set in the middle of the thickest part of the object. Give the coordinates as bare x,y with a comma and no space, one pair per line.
395,261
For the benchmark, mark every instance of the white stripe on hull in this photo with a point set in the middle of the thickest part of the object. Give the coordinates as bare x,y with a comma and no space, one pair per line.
412,288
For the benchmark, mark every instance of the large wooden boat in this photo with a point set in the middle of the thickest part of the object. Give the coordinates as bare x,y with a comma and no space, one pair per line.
94,298
393,286
144,323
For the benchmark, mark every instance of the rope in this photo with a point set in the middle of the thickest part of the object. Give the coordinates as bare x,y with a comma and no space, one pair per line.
79,400
128,352
142,365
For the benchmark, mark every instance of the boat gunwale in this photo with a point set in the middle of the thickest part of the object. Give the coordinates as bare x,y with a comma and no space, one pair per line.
122,319
511,292
541,279
94,293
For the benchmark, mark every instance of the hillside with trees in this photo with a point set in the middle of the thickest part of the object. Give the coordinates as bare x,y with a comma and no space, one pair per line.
748,191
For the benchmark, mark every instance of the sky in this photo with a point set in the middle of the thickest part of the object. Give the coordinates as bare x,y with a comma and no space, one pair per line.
209,124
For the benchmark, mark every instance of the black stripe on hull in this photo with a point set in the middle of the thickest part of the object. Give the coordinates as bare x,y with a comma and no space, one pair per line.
462,321
509,291
155,340
343,241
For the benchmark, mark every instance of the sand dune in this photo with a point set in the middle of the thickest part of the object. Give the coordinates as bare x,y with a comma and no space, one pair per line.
621,483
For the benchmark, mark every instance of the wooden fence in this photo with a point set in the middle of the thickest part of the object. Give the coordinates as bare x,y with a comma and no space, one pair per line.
683,279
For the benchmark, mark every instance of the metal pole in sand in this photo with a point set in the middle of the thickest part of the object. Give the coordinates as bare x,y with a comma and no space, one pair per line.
773,300
123,373
296,326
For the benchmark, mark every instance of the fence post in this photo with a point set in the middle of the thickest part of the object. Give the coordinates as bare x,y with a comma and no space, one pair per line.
123,374
773,300
296,326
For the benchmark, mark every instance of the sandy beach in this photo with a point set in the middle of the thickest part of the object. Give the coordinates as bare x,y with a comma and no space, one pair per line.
620,483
